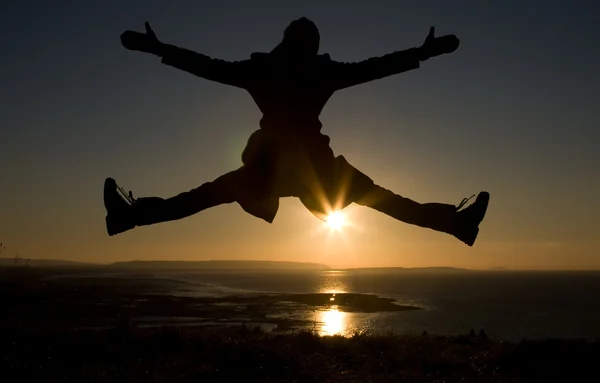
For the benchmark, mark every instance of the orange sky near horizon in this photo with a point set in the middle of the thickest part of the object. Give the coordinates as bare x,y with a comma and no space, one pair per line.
364,242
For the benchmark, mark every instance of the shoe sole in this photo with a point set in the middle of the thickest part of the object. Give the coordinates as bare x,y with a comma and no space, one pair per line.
484,197
110,185
113,226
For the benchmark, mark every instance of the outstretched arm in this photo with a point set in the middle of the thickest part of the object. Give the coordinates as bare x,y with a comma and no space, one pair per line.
344,75
226,72
236,73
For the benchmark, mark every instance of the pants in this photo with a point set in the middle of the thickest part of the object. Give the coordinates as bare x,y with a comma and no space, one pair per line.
277,165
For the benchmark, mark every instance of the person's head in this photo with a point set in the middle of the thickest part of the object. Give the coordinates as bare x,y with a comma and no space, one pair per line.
302,37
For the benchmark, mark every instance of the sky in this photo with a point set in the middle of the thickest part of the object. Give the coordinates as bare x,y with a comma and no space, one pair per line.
514,111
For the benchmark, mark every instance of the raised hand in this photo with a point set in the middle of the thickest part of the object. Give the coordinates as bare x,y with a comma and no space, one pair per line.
436,46
144,42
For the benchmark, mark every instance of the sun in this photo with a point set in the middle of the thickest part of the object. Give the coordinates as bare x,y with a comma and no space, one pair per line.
336,220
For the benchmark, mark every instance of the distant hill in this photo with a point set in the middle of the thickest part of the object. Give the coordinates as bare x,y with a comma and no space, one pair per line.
410,269
219,265
44,262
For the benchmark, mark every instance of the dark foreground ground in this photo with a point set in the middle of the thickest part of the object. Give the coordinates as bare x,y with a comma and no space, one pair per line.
241,354
80,330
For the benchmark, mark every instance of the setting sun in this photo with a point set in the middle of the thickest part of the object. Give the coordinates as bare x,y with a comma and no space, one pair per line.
336,220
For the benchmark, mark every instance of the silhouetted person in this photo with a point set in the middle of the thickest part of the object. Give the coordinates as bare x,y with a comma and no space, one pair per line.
288,156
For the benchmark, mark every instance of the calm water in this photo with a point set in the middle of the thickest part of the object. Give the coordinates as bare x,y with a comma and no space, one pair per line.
508,305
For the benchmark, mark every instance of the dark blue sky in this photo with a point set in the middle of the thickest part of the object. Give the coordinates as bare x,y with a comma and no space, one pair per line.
514,111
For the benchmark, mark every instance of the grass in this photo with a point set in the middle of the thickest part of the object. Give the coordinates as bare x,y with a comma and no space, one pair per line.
241,353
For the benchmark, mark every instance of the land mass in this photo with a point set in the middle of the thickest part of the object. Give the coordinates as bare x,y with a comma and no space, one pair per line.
409,269
43,263
213,265
242,354
100,297
171,265
219,265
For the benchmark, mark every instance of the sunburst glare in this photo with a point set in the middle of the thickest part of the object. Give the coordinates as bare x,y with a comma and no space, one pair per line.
336,220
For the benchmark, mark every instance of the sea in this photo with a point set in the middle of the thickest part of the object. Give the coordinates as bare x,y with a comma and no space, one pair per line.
507,305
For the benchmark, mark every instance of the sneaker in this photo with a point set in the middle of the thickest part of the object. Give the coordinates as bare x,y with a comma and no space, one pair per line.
119,208
470,217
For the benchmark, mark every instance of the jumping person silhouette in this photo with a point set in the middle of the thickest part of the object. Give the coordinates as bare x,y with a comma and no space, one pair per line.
289,156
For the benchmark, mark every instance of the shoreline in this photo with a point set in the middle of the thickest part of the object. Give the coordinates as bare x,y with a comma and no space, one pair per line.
68,299
101,301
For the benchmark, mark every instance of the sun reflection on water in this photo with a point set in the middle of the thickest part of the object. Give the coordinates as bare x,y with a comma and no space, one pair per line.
334,322
332,319
334,281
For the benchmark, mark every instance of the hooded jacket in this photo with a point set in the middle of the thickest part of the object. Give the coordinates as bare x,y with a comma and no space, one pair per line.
289,94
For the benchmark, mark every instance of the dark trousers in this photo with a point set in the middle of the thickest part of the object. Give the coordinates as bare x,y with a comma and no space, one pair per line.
276,166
